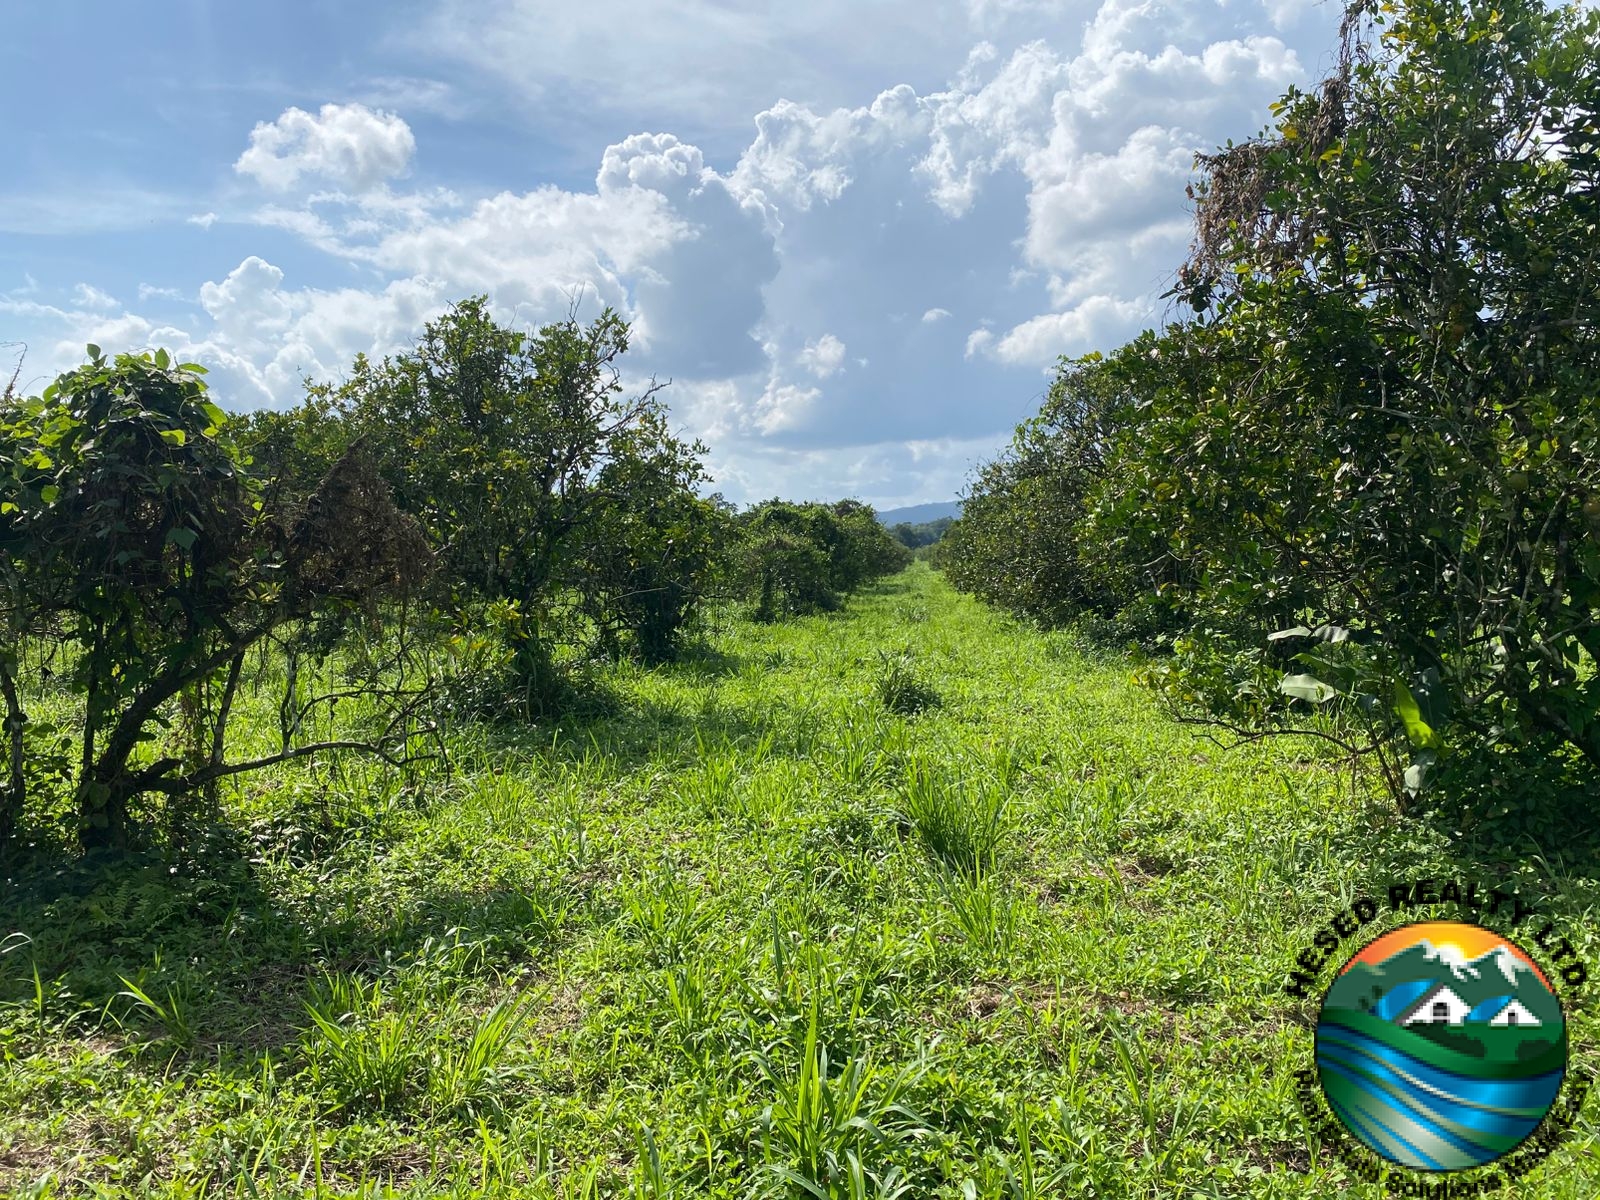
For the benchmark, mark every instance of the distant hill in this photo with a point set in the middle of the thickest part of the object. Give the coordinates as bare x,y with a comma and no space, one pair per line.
919,514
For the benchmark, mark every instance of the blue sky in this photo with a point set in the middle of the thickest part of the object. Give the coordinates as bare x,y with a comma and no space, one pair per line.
855,236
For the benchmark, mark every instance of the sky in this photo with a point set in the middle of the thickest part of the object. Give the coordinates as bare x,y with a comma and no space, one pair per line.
856,237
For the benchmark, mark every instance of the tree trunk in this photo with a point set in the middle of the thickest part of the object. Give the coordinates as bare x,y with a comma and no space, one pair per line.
219,733
105,785
103,812
15,793
101,825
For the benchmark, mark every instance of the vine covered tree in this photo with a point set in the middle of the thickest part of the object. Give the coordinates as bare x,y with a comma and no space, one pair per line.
135,542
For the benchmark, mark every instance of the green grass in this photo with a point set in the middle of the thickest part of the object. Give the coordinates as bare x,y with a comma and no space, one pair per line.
907,900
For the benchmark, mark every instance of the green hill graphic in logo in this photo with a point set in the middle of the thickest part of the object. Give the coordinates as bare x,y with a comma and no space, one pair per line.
1440,1046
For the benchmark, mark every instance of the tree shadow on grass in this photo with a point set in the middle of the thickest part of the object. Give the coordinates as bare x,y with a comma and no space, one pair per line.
224,940
629,739
1528,825
703,660
225,967
210,935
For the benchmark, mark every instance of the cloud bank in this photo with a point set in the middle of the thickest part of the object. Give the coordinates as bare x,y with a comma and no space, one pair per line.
861,298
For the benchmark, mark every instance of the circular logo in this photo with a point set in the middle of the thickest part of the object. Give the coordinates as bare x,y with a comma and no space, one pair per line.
1441,1046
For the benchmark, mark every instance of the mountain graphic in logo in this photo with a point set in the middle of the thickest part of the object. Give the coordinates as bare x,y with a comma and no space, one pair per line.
1440,1046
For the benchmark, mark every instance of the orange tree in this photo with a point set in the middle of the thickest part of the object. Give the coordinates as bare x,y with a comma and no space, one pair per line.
647,556
1377,445
793,559
556,502
1021,543
136,554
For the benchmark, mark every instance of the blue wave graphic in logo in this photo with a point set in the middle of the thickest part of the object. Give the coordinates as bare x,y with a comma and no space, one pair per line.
1419,1115
1401,997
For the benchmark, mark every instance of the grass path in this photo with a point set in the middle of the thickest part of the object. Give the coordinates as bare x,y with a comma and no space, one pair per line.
751,934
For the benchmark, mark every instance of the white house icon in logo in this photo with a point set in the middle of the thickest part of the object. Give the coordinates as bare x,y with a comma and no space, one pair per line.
1514,1014
1440,1005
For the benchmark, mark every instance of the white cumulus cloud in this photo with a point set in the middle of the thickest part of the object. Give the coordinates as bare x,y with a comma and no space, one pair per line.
1017,164
348,145
823,357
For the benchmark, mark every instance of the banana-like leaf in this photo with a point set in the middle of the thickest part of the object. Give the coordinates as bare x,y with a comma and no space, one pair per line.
1322,633
1422,735
1308,688
1297,632
1416,776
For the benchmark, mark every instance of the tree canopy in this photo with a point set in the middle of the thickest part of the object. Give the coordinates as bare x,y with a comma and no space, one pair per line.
1367,467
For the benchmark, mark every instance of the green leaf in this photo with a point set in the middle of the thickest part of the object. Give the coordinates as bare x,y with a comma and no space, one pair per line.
1297,632
1308,688
176,437
184,538
94,351
163,360
1420,733
49,492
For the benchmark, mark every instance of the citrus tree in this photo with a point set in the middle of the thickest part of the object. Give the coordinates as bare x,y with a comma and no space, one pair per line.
792,559
1378,443
649,554
542,486
1024,540
137,555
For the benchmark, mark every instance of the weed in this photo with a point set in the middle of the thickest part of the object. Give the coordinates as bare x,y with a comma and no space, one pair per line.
822,1129
988,915
365,1056
901,687
706,944
959,821
469,1070
174,1011
710,788
664,914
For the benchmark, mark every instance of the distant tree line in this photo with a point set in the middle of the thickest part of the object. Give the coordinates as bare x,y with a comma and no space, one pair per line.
445,535
1357,490
802,558
916,536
